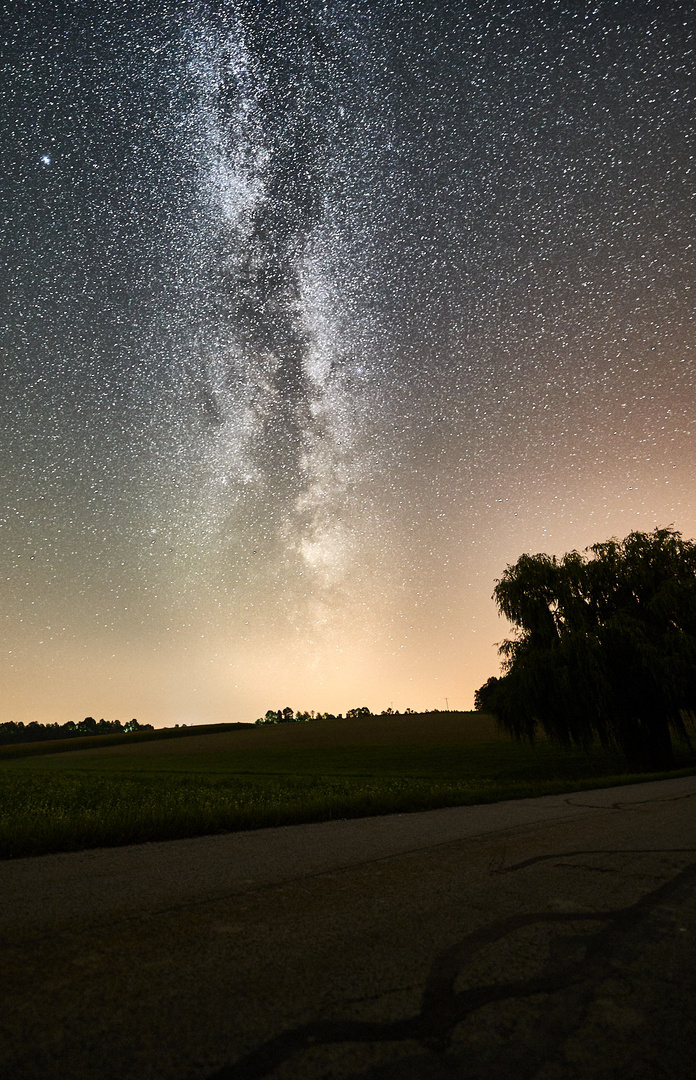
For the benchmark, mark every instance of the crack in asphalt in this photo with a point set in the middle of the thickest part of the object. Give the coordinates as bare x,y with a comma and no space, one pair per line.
624,805
595,851
443,1007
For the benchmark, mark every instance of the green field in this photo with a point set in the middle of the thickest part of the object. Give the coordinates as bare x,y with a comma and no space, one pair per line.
135,791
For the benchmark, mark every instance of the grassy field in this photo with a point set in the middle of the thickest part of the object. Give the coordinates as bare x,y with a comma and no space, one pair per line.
138,791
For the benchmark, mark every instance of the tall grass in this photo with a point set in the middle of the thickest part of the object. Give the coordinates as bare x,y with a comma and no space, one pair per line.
44,811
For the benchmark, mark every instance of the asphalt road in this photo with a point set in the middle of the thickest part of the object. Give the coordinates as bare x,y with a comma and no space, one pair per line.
552,938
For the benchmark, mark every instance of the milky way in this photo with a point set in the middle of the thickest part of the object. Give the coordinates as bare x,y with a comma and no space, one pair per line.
314,316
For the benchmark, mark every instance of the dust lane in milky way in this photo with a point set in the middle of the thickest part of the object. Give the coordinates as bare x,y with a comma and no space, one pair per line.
317,314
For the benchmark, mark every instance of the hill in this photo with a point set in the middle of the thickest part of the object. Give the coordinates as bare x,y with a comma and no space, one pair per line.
410,729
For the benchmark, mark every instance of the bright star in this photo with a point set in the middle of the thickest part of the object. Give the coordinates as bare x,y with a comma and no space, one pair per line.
45,160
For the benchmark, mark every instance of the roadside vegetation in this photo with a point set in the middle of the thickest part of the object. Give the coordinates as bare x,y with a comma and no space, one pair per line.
262,777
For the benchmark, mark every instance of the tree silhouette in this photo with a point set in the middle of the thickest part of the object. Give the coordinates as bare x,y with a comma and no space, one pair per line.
605,646
484,694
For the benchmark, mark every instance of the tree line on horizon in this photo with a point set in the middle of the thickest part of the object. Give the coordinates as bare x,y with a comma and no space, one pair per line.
604,647
289,716
17,732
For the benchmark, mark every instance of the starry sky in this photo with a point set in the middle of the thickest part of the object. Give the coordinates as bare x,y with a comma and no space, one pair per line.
315,314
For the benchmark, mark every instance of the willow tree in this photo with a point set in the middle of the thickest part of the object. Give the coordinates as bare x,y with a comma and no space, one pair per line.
604,646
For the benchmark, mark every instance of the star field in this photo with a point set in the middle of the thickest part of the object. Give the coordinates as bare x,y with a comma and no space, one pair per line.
314,316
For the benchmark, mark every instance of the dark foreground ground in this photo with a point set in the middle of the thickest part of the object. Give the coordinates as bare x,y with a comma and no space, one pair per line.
552,938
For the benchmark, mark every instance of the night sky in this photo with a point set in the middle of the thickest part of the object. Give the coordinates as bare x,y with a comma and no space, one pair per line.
315,315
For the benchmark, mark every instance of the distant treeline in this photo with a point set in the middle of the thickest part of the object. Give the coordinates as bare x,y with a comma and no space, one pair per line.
289,716
12,732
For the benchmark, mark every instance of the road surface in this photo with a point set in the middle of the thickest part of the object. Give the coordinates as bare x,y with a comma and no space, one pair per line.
552,938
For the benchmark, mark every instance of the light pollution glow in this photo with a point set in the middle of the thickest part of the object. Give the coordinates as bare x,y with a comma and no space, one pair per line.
316,316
